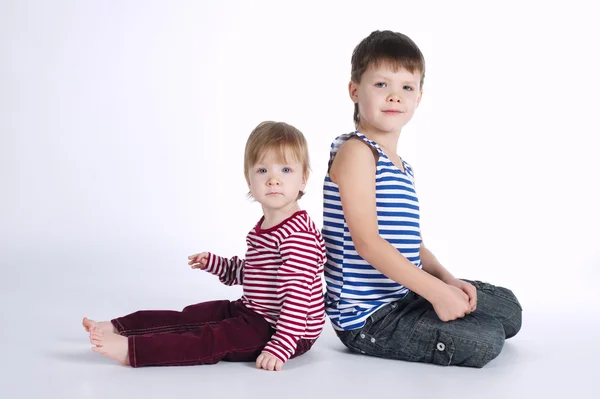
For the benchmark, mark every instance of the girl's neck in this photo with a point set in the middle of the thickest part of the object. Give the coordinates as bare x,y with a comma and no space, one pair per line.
272,217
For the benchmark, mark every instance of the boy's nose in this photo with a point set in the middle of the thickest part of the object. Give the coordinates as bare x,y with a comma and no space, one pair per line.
394,98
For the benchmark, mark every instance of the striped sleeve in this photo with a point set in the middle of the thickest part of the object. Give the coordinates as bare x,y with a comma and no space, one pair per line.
301,255
229,271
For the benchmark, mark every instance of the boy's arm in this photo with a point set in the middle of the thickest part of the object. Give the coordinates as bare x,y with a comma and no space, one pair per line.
229,271
302,257
432,266
353,170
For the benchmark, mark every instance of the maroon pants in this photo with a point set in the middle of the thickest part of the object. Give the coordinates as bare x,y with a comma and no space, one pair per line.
204,333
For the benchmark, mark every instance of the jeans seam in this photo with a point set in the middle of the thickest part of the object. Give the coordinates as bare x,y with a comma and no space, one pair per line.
169,328
480,285
120,327
133,361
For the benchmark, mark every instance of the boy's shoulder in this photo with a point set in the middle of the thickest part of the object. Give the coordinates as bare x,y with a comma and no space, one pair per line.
353,141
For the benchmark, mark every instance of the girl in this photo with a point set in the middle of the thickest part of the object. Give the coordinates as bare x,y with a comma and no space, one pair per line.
281,312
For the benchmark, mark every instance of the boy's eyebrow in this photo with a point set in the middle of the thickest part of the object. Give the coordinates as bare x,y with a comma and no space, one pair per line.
383,75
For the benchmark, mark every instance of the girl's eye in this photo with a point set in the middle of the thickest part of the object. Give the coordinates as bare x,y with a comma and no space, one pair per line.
380,84
408,88
262,170
286,170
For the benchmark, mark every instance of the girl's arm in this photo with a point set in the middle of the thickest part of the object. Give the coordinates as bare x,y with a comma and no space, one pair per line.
302,257
229,271
353,170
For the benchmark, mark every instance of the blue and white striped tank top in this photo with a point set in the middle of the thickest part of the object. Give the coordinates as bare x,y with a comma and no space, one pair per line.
356,289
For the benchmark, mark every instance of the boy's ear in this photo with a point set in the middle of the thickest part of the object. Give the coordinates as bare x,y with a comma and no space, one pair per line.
419,98
352,90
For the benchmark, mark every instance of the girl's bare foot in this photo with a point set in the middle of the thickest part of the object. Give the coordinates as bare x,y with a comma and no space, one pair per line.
104,326
111,345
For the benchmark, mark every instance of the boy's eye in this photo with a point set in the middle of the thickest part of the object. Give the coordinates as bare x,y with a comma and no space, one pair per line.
286,170
262,170
380,84
408,88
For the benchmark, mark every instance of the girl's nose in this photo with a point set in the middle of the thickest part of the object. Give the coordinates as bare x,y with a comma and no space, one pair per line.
394,98
273,182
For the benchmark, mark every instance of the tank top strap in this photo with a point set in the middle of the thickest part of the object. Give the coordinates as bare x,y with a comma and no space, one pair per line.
337,143
370,142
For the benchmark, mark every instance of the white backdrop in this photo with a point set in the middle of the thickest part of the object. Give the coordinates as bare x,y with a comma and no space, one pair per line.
123,126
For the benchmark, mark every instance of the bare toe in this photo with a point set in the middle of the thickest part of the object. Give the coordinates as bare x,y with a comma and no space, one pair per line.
113,346
88,324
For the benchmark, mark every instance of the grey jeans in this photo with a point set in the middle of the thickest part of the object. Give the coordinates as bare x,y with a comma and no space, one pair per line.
410,330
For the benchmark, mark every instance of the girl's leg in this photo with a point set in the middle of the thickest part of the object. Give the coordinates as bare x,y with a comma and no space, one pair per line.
240,337
410,330
160,321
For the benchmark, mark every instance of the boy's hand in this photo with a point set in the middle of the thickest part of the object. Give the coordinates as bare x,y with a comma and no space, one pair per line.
268,362
451,303
468,289
198,261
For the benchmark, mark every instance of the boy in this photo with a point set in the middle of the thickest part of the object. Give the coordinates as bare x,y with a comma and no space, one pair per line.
387,294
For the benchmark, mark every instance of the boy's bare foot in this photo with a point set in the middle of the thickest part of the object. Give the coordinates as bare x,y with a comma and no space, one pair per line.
111,345
104,326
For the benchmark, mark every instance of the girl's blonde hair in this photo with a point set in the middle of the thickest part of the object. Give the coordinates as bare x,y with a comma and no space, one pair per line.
281,138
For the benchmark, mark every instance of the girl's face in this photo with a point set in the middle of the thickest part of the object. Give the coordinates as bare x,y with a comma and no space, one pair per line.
274,183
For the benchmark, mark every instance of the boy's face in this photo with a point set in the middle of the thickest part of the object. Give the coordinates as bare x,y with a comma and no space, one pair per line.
274,183
387,98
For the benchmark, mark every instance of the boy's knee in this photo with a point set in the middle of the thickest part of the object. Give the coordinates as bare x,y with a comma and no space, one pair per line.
513,325
478,342
494,342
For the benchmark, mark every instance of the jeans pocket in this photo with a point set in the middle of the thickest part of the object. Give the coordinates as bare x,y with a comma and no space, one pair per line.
374,324
443,350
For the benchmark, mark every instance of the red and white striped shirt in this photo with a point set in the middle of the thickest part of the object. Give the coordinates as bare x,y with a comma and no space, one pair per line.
282,280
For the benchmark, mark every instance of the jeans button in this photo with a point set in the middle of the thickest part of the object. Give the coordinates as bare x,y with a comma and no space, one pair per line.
440,346
362,336
373,340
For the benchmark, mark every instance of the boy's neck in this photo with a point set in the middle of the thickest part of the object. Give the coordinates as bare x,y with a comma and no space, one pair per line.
387,140
275,216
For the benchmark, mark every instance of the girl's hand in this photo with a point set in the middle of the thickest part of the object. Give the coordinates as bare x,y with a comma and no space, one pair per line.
451,303
468,289
198,261
268,362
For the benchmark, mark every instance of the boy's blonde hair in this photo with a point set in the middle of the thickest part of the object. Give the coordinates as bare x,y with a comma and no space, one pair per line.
281,138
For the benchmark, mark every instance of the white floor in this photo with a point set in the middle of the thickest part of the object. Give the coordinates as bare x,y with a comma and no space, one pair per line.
46,353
